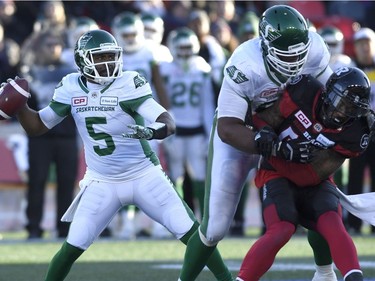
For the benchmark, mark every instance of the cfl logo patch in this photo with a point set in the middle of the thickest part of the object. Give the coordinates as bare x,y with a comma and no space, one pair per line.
303,119
79,101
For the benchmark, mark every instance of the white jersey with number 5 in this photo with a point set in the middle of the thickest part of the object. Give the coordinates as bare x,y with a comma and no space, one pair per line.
101,115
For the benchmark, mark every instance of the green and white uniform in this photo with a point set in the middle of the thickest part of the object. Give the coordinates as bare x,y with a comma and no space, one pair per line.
246,81
191,96
120,171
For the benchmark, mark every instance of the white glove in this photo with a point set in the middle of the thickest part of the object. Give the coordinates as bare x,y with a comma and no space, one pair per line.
139,132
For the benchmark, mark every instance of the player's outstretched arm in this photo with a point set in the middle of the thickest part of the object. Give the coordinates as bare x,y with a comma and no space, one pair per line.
163,127
31,122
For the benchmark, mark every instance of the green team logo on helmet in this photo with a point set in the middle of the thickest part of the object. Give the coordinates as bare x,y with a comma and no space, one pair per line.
268,31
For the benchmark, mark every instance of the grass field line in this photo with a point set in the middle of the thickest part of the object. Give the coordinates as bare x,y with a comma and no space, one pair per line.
277,266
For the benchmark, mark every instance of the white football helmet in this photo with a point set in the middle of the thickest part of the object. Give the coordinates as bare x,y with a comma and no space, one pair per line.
79,26
128,29
153,27
334,39
183,43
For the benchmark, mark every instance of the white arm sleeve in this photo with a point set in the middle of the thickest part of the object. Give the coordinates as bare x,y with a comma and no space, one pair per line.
323,78
49,117
230,104
150,110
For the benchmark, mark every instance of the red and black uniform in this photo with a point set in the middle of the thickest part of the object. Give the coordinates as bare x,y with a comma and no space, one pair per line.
292,192
298,106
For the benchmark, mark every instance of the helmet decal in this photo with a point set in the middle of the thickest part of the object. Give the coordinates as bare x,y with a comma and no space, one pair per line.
268,32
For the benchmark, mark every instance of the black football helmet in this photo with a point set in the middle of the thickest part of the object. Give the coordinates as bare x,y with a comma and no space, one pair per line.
346,97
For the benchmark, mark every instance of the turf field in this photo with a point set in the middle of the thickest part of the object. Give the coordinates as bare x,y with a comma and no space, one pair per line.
158,260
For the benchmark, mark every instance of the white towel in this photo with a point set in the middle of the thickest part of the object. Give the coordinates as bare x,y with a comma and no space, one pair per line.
360,205
69,214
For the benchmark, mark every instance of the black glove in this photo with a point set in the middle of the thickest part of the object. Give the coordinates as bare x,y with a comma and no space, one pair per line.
294,151
265,141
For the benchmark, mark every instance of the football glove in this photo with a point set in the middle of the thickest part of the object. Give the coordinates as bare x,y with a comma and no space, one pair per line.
265,140
293,150
139,132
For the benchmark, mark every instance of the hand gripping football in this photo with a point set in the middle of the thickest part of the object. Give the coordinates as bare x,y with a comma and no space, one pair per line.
13,96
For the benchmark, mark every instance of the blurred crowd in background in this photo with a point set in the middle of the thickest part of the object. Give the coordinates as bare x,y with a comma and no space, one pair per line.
37,40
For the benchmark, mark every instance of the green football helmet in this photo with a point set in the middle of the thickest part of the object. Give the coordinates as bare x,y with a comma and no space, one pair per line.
128,29
96,42
334,39
153,27
183,44
248,27
285,40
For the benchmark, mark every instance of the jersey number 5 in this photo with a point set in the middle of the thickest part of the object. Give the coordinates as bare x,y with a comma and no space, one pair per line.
90,122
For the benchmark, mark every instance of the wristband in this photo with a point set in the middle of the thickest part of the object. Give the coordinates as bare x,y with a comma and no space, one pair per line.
159,130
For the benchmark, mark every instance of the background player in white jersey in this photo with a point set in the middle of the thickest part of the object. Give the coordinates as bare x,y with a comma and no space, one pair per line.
139,55
335,41
253,75
154,32
121,167
191,97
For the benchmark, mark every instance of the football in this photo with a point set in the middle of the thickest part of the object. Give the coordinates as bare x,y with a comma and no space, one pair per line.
13,96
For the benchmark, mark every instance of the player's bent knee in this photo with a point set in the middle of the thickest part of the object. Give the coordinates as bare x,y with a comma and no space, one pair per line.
215,233
82,234
178,222
205,241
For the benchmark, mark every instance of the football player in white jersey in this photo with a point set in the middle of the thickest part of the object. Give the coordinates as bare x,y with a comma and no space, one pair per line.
253,77
154,31
192,105
110,107
138,55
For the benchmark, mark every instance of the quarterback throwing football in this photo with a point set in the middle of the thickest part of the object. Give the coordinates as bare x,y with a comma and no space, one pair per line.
110,108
